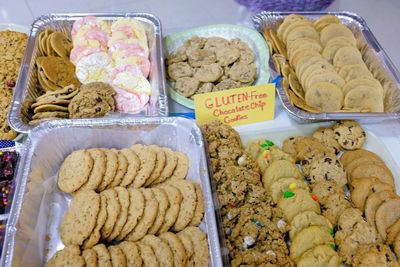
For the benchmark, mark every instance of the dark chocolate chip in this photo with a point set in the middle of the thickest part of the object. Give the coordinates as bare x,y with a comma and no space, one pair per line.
98,109
99,99
329,160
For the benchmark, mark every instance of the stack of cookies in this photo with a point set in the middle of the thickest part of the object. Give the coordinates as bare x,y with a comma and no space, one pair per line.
54,73
124,210
323,69
54,43
254,227
88,101
12,47
93,215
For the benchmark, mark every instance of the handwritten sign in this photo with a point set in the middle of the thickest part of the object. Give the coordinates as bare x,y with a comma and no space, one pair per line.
236,106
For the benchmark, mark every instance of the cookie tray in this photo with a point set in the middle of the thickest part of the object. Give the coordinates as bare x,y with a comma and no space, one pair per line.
32,231
374,52
26,89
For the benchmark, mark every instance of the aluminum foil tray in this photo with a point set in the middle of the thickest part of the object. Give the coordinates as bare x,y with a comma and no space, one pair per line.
26,89
374,53
32,235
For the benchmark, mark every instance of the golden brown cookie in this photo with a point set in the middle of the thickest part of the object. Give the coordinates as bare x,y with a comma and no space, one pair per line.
113,211
135,212
147,159
69,256
163,205
159,164
80,218
161,249
200,243
124,201
177,248
75,171
98,170
95,236
199,211
133,166
175,199
131,251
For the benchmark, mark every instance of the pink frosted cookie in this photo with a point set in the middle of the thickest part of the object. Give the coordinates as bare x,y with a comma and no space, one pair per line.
130,102
131,28
92,22
93,37
122,47
126,59
79,52
95,67
129,78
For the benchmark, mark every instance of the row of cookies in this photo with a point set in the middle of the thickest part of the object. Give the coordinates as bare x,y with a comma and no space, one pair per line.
322,67
87,101
12,47
254,227
186,248
202,65
311,234
374,194
139,166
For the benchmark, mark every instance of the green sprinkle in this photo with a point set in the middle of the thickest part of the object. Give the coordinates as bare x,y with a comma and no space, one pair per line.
288,194
267,143
331,231
333,246
283,158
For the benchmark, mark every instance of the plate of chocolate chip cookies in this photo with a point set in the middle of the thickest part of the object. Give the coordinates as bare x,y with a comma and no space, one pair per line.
214,58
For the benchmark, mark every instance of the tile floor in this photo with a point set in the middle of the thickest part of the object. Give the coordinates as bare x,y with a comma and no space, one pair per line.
382,16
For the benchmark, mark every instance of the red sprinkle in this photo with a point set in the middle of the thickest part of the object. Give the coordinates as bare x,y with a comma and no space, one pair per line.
314,197
11,83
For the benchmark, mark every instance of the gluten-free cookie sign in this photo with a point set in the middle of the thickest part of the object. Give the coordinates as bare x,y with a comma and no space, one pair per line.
236,106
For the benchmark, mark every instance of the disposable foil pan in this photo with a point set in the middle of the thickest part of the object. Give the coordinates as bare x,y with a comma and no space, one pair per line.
372,52
32,235
26,89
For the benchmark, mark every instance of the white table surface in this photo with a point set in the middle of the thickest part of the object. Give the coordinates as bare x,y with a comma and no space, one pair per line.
381,16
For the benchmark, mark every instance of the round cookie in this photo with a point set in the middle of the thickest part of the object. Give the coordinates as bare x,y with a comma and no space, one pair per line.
177,248
80,218
189,247
373,170
113,211
131,251
328,168
366,159
199,240
181,168
135,212
349,134
103,255
95,236
171,162
309,238
75,171
98,170
324,189
90,257
111,169
199,211
159,164
70,254
161,250
298,202
163,205
305,164
306,219
363,187
254,148
327,137
90,104
147,255
334,206
386,215
133,166
271,154
122,167
147,162
374,255
277,188
175,199
392,231
374,200
148,218
349,156
188,205
321,255
279,169
124,201
117,256
305,145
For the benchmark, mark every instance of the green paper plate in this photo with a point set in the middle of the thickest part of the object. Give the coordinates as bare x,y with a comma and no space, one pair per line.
255,41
